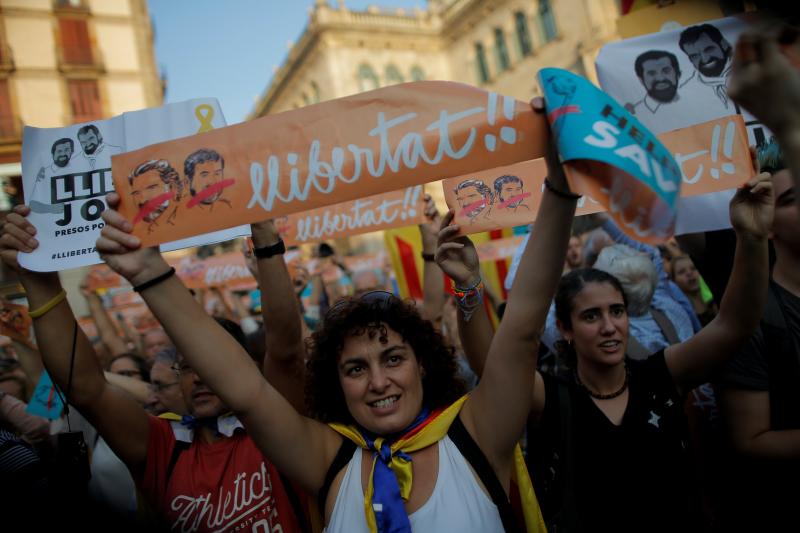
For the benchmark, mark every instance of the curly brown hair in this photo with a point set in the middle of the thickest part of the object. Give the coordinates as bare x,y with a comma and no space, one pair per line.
374,316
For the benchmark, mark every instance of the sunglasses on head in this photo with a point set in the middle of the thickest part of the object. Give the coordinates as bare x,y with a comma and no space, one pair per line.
381,298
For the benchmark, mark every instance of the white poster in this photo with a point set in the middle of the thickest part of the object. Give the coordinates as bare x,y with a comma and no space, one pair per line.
66,173
678,78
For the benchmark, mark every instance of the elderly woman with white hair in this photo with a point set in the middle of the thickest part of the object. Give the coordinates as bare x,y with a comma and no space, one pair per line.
655,323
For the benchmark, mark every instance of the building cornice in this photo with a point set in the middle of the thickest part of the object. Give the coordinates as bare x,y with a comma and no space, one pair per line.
325,20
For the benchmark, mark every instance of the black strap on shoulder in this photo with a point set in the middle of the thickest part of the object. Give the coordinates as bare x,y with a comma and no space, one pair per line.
297,506
475,457
666,326
343,456
568,519
177,450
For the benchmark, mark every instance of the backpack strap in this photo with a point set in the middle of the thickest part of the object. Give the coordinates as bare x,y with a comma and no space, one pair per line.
568,512
343,456
666,326
297,506
472,453
179,447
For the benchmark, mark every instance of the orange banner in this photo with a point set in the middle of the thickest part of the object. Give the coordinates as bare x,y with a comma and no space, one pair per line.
214,271
138,317
320,155
380,212
498,249
15,322
713,156
101,277
89,327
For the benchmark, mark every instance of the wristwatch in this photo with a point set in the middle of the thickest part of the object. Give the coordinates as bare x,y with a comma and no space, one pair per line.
265,252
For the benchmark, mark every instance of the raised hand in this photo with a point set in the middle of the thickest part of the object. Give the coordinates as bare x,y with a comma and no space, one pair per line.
264,233
764,81
752,207
456,255
555,170
17,235
123,252
430,228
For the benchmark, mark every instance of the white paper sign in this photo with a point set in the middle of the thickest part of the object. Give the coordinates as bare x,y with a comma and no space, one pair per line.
66,173
678,78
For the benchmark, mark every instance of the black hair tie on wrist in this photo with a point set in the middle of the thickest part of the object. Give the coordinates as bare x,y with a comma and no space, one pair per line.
265,252
569,195
155,281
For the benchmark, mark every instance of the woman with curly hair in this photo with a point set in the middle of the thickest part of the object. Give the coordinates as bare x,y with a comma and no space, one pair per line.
381,378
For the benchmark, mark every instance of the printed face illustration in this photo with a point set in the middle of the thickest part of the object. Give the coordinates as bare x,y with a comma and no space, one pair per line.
206,174
62,154
144,188
89,142
510,190
706,55
660,79
472,197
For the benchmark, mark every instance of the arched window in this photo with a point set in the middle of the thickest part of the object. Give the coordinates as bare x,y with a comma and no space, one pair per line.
315,97
547,20
393,75
503,62
523,35
417,74
480,62
367,79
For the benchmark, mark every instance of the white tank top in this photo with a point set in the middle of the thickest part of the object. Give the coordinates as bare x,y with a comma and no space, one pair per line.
457,503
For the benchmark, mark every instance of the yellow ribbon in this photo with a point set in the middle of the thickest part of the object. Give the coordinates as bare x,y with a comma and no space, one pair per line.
432,433
204,114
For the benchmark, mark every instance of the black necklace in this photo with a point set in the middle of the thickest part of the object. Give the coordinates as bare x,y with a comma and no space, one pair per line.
597,396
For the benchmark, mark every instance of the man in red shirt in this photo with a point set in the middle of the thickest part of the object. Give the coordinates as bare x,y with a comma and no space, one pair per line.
200,473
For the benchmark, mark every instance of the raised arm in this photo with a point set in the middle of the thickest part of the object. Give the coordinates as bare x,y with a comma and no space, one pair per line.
432,279
138,390
692,362
748,415
117,417
506,386
284,361
300,447
765,82
105,326
458,258
30,360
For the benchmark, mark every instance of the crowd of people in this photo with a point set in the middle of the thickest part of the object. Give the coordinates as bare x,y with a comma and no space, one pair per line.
575,411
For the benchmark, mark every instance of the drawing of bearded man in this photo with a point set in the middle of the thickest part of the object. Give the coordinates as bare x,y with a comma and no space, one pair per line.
155,185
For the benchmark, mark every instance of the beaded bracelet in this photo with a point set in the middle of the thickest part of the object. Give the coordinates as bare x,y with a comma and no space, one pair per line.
469,299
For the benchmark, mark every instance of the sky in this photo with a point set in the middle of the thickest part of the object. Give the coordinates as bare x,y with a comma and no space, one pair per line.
228,49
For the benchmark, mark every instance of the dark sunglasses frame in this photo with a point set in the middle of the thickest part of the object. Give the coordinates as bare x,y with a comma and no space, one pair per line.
372,297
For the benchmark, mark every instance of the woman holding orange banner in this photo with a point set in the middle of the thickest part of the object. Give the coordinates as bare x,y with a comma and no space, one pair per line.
608,441
383,386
